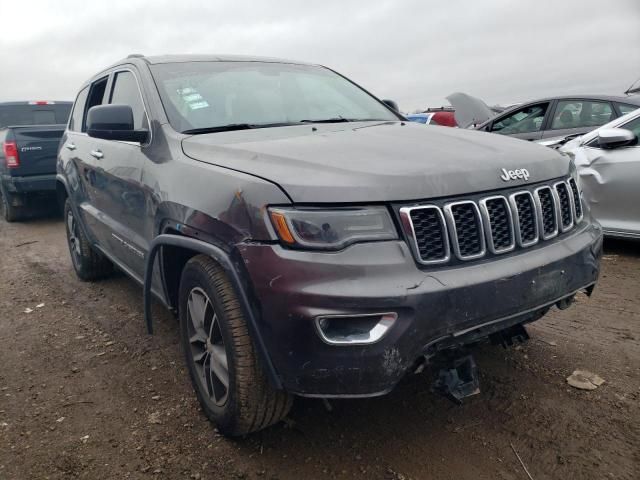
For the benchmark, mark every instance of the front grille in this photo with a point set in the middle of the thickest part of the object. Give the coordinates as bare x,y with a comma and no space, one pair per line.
468,240
430,233
500,223
566,213
526,214
577,204
460,227
548,212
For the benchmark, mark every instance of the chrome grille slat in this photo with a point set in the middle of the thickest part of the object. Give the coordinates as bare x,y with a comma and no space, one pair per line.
548,212
428,232
525,218
465,229
565,205
577,201
498,224
495,224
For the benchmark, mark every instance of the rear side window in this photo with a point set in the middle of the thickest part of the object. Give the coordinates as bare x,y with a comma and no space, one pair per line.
75,123
626,108
581,113
126,92
96,96
31,114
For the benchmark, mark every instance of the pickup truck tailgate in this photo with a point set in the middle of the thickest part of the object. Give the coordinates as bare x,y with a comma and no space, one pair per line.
37,149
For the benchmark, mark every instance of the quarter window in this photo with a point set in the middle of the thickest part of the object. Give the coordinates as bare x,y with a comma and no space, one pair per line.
581,113
75,124
525,120
125,92
633,125
626,108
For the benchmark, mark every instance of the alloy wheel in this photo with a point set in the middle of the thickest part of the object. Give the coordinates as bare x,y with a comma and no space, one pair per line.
208,352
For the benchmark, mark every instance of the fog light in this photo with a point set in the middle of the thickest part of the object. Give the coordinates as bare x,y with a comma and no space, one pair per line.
354,329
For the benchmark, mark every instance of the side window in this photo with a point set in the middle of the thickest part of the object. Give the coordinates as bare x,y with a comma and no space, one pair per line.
125,92
525,120
581,113
75,122
626,108
96,95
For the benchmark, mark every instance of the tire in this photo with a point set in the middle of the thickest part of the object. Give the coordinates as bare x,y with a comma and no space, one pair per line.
9,212
214,332
88,264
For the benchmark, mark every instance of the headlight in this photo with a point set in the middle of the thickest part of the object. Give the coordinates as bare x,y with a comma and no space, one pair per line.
332,229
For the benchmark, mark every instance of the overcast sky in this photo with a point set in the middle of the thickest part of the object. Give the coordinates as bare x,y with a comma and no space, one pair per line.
415,52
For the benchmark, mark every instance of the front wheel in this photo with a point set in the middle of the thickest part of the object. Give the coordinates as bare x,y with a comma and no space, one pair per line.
226,373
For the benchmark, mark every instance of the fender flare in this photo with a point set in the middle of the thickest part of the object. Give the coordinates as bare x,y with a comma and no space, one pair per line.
226,263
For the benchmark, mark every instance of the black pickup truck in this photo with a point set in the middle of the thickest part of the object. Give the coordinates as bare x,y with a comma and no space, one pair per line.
29,135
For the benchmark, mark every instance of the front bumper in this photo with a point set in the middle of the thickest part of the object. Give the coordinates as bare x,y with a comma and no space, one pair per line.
439,306
29,184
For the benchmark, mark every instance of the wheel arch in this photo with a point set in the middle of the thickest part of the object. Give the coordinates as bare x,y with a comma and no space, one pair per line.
175,250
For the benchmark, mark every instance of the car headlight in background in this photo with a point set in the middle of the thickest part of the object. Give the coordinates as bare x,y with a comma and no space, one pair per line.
331,229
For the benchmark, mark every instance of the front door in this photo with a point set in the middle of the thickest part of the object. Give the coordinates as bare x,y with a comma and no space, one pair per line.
120,200
611,183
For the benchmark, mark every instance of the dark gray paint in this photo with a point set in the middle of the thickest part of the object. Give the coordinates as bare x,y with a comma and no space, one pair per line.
216,188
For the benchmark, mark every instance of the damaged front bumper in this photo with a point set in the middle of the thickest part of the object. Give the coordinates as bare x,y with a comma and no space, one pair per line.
434,309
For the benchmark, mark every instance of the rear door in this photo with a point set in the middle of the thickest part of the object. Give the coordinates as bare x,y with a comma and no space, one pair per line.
83,169
578,116
526,122
119,194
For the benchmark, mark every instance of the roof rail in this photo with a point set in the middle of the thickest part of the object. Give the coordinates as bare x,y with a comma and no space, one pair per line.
135,55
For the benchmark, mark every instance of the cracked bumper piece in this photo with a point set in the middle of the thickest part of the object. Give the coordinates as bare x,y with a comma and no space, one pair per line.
436,308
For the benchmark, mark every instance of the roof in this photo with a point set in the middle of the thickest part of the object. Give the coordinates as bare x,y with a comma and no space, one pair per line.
28,102
632,99
153,60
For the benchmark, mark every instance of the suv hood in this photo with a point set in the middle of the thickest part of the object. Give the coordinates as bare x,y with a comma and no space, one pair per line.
376,162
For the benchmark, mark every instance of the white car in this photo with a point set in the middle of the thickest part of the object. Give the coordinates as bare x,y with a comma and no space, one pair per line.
608,162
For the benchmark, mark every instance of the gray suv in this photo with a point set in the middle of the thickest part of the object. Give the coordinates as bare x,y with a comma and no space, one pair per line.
310,240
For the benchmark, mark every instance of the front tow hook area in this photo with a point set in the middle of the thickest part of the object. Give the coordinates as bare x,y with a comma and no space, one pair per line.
458,378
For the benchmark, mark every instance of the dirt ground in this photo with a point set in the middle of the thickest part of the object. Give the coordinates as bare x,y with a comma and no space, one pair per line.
86,393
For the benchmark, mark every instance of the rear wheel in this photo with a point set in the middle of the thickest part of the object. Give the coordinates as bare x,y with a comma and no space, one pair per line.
10,212
88,264
226,373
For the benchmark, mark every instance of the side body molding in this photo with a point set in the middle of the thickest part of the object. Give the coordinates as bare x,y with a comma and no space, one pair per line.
223,259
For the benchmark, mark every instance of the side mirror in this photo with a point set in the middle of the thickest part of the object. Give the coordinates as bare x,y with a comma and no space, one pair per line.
114,122
392,105
616,137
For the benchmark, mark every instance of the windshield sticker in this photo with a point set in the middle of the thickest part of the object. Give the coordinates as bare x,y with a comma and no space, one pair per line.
192,99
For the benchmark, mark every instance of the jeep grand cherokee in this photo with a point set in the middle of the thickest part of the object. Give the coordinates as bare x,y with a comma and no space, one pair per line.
311,241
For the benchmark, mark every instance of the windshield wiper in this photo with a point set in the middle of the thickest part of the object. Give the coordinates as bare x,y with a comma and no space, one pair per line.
327,120
342,120
220,128
236,126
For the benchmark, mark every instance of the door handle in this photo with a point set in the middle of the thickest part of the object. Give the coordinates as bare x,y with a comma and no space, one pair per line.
71,146
97,154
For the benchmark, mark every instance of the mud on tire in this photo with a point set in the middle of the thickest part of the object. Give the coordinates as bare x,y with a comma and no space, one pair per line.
88,263
214,337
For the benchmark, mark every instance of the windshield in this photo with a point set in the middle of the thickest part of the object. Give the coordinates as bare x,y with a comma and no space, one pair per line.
47,114
209,95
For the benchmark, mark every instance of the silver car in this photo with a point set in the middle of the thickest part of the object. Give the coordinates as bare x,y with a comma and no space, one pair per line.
608,161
